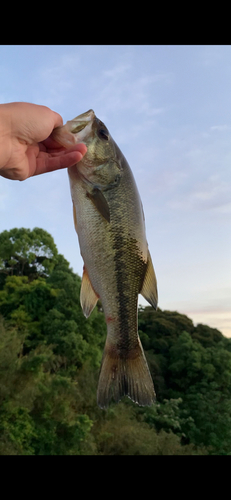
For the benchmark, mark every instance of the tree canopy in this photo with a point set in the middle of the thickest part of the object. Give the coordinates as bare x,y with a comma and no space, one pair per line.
50,357
26,253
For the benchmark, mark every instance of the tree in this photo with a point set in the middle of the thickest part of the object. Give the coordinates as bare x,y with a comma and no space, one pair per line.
38,405
202,378
206,335
25,252
121,433
50,356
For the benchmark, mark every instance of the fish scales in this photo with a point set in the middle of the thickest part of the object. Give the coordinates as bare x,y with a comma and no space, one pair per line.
110,225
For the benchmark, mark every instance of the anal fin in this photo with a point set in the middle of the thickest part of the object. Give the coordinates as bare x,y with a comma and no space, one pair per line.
88,296
149,287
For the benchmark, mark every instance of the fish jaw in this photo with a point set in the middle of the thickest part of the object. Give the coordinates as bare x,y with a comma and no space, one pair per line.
75,131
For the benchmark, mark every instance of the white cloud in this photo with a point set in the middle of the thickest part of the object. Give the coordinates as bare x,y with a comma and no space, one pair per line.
116,72
122,89
220,128
210,195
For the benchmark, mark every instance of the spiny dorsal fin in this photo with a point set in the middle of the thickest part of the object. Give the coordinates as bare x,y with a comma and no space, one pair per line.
100,203
88,297
149,287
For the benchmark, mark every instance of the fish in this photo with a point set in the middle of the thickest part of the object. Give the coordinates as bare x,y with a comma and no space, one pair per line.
109,221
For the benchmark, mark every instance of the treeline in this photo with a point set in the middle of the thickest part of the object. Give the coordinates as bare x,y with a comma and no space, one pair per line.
49,363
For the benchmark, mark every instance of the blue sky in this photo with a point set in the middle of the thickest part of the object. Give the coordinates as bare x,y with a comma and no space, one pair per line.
169,110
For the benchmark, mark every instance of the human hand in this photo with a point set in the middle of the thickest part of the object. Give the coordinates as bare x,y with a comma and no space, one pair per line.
26,148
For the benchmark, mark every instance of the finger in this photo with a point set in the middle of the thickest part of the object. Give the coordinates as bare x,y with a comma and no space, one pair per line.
81,148
45,163
51,146
58,121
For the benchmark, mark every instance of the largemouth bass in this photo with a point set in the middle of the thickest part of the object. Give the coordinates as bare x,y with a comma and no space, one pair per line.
109,221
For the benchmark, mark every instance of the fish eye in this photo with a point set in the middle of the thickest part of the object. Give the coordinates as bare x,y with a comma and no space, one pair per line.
103,134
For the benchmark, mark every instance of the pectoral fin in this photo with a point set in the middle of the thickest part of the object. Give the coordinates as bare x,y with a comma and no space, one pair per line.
149,287
88,297
100,202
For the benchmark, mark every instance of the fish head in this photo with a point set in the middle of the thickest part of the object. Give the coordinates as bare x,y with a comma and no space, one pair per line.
100,165
74,131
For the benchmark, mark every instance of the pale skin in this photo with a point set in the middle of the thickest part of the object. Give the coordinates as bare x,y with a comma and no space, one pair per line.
26,145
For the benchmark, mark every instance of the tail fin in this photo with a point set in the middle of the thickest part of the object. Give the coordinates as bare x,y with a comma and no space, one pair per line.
125,376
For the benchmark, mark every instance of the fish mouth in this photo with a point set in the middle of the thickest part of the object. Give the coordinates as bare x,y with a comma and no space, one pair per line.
87,116
80,126
81,121
76,130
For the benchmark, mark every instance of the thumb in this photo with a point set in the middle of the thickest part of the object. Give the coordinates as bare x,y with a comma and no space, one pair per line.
58,121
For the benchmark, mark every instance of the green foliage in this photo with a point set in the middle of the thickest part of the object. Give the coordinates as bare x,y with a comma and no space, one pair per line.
17,430
164,415
26,253
50,357
206,336
203,377
38,413
192,364
122,433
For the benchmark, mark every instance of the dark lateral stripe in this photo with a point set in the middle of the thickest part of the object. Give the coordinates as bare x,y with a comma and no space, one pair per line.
130,270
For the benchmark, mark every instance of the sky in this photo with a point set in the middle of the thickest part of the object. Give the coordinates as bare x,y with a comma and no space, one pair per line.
169,110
